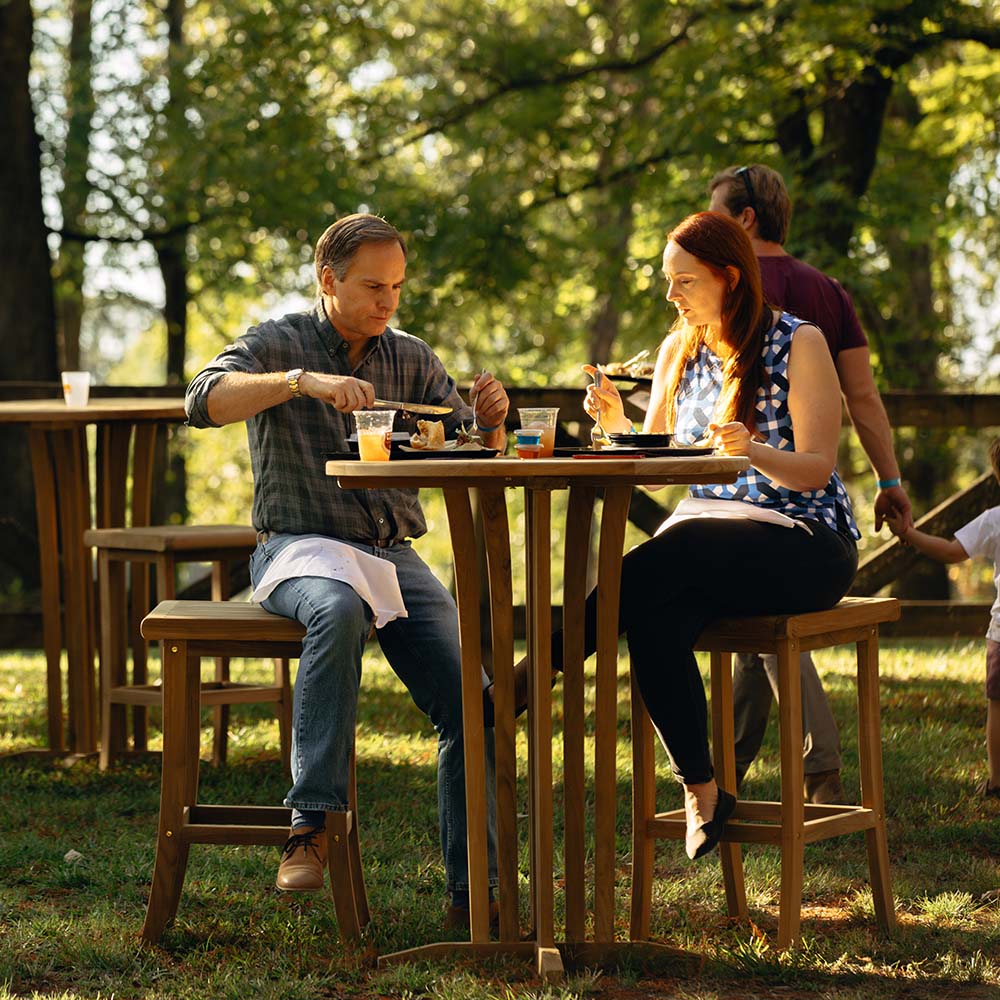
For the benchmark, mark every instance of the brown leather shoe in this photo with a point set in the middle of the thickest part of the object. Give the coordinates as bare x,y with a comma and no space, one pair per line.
303,860
824,789
456,918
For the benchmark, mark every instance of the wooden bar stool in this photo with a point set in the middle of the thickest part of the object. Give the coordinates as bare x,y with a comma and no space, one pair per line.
789,823
188,631
163,547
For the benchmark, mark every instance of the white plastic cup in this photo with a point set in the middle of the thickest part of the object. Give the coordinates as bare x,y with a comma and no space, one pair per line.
542,418
76,389
374,434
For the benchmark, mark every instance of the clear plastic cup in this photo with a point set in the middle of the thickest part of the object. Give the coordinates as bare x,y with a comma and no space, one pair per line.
374,434
542,418
76,389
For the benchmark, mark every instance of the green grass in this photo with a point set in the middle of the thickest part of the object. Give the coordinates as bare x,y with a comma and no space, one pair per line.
68,926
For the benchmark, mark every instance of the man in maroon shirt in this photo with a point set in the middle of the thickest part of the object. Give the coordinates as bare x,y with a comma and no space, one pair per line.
756,197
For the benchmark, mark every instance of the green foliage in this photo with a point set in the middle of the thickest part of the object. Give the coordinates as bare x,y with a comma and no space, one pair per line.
536,153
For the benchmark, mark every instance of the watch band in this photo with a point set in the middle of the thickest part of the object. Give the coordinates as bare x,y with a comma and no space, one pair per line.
292,377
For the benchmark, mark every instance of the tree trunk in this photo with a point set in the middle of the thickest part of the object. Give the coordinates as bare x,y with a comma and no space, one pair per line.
69,269
27,313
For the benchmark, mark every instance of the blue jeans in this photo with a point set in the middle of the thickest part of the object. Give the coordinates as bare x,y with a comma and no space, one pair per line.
422,649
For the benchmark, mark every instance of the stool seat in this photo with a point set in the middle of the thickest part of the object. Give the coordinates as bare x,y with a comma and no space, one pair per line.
163,546
188,631
174,537
789,823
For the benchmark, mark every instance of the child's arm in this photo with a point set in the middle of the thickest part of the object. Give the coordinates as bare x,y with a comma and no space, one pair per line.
943,549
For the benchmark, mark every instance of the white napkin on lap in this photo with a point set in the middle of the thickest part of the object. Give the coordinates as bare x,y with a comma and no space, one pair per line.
373,579
705,507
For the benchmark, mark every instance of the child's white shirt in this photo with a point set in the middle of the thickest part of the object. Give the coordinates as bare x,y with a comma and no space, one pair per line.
981,537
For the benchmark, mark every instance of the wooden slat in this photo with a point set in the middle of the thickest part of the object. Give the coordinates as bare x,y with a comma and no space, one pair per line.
465,556
891,560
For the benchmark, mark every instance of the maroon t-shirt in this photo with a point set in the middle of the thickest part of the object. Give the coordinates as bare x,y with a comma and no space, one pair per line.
812,295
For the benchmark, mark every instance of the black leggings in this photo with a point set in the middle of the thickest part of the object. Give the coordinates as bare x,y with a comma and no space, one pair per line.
699,570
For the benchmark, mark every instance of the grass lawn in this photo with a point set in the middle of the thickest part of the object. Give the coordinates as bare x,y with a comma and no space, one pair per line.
69,921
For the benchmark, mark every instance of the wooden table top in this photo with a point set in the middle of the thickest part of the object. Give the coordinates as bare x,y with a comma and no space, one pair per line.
540,473
121,408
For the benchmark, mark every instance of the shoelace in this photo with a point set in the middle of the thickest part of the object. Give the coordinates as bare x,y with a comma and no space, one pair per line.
303,840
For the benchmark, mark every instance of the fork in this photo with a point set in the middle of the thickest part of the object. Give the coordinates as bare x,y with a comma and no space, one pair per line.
597,431
474,429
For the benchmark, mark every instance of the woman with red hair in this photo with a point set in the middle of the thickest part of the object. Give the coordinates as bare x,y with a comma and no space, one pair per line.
780,540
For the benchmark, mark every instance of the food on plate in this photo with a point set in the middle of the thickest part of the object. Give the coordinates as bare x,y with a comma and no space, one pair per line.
429,436
636,367
467,436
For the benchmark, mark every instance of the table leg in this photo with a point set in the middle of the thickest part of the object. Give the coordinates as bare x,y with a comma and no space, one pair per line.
538,540
72,484
42,466
493,508
579,517
467,587
613,520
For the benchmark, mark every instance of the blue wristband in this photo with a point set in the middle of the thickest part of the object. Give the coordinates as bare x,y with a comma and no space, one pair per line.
488,430
887,484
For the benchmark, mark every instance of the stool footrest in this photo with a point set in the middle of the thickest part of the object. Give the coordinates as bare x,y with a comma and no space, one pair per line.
212,693
756,822
243,825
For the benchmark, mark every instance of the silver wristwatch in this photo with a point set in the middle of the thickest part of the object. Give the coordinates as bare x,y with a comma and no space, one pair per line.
292,378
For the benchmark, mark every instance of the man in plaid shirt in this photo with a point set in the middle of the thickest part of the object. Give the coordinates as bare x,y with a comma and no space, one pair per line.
296,381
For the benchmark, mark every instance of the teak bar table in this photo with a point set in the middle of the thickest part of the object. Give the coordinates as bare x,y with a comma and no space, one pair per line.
61,468
538,478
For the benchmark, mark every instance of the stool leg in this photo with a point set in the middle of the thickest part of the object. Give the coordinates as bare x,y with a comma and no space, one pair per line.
140,603
724,758
111,582
792,809
872,792
347,881
179,783
282,680
354,849
220,592
643,809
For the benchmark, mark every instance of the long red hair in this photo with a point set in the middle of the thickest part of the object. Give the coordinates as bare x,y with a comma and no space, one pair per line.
720,242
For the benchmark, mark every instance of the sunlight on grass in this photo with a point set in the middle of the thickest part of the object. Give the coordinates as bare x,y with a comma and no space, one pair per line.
68,929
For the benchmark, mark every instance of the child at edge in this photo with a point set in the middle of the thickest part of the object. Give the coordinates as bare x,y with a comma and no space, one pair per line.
980,537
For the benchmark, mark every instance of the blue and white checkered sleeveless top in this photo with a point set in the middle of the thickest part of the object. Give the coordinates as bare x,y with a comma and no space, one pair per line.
701,385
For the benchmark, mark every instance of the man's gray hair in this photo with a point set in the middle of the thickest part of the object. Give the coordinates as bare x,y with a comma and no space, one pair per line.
339,244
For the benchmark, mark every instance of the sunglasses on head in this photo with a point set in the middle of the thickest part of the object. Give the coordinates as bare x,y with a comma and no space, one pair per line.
744,174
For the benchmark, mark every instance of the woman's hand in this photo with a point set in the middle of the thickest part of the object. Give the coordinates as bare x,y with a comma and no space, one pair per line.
731,439
606,401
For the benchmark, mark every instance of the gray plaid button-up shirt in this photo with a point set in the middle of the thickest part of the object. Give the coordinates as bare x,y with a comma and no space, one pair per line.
289,442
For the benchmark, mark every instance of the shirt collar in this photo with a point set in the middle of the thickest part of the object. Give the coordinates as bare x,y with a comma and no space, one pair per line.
332,339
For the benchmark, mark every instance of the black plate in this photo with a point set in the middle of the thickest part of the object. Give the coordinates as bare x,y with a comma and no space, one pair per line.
633,452
641,440
453,454
635,379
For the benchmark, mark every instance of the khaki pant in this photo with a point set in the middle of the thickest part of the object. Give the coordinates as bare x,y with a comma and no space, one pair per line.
755,686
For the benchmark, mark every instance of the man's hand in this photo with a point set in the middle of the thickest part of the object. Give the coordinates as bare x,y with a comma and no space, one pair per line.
899,524
490,400
342,392
893,501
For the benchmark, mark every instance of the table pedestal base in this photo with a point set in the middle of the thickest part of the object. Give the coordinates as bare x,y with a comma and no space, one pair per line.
551,963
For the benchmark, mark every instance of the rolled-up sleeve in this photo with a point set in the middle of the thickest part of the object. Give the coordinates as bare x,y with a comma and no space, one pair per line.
245,355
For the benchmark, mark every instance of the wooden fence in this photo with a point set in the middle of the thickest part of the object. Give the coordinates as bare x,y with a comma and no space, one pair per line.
21,627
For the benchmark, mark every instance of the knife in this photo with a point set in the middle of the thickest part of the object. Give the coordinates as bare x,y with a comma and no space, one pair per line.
388,404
